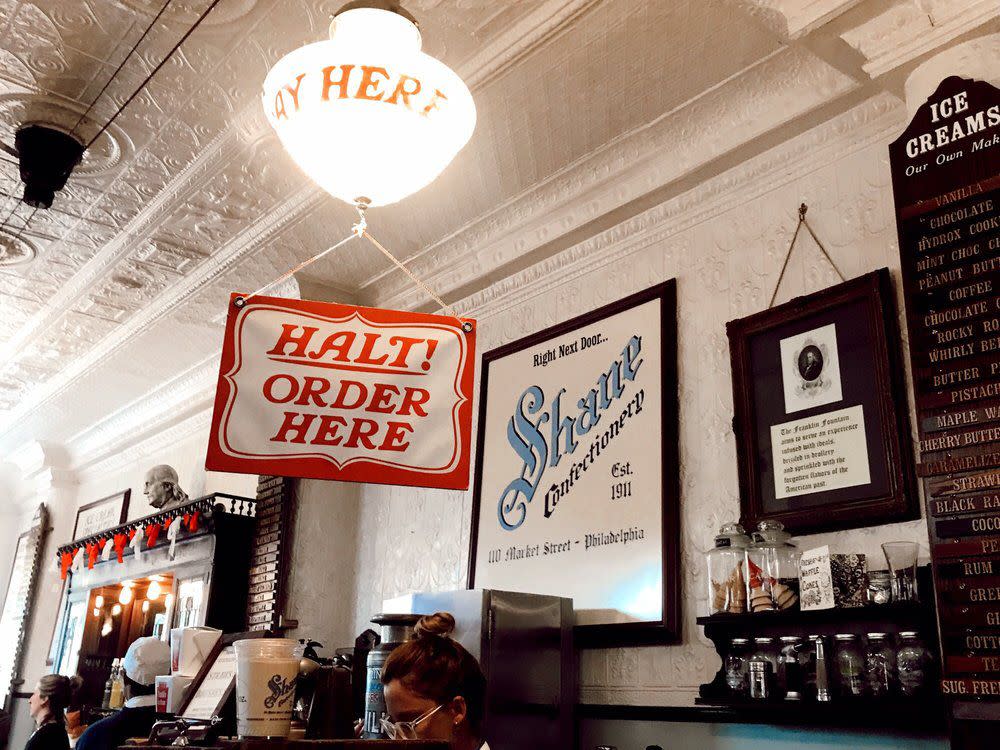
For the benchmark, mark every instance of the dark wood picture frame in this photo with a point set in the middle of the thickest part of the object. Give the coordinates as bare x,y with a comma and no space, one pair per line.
225,640
32,541
668,628
887,396
124,496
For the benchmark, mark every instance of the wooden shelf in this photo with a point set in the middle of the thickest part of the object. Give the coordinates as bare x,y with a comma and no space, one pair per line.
900,615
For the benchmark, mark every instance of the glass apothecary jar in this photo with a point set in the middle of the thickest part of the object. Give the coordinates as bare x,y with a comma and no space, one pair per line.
913,661
850,666
880,666
772,569
736,666
727,565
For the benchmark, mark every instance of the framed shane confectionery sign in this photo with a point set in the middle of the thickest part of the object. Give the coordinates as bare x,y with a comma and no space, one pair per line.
328,391
821,417
576,489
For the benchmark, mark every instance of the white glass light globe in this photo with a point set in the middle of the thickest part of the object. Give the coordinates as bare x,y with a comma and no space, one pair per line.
366,114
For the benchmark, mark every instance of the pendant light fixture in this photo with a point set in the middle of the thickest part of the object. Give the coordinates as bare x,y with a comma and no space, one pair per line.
366,114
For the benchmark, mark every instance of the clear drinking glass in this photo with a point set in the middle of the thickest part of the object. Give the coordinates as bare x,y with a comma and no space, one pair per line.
902,560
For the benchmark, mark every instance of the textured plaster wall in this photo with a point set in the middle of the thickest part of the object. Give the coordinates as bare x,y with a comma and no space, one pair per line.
724,242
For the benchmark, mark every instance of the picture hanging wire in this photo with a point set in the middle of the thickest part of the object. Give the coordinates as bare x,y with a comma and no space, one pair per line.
791,246
361,230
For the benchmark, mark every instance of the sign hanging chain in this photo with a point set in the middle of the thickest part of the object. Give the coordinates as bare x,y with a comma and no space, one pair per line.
361,230
791,246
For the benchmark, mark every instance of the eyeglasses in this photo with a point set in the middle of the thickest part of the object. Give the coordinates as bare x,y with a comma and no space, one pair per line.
406,730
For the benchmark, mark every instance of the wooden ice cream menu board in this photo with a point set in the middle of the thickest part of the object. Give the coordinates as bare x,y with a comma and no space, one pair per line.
946,184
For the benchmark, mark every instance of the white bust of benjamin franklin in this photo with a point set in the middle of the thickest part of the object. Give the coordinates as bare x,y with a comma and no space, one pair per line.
163,489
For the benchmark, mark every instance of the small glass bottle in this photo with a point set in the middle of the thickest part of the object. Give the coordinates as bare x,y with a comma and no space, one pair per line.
117,688
822,670
880,666
772,569
850,666
106,701
791,671
760,676
736,666
912,663
727,563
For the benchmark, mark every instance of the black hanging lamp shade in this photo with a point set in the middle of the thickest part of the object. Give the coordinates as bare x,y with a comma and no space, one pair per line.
47,157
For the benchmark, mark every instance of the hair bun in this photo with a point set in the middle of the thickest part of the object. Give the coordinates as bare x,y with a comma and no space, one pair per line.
438,625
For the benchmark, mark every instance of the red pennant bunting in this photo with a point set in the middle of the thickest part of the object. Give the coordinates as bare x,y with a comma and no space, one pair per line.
166,524
92,551
193,523
119,542
152,532
131,534
66,559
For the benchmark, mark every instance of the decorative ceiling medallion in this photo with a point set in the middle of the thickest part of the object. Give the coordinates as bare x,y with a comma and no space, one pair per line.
17,109
14,250
187,11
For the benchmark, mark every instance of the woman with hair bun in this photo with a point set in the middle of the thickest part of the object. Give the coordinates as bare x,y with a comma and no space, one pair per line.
55,692
434,688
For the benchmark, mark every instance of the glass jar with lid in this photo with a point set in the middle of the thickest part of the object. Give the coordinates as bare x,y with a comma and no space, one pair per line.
913,661
765,648
762,668
772,569
792,667
850,666
727,565
880,666
735,665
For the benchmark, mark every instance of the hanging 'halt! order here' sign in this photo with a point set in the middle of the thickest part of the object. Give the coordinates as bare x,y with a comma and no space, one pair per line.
329,391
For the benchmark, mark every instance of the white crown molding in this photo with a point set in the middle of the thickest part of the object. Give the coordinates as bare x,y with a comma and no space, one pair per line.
769,94
223,260
205,166
534,29
873,121
150,423
790,19
188,392
152,444
911,28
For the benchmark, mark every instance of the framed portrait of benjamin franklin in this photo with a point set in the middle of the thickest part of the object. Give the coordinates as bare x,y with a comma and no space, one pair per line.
821,418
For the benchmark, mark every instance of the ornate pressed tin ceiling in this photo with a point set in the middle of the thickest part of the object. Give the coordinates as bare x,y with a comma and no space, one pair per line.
587,108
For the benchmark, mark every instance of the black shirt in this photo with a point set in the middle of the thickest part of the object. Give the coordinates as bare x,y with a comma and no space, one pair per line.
49,736
112,731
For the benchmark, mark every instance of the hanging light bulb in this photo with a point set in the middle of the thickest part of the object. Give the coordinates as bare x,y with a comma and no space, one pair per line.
116,610
153,592
126,595
97,612
106,628
98,601
366,114
145,606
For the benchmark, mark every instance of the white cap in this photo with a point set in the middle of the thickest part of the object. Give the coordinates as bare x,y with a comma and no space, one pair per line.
145,659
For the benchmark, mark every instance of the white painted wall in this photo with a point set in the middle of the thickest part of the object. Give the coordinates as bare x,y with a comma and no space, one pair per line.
63,491
724,242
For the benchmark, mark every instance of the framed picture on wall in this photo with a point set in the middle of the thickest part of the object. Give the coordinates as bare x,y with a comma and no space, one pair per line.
101,514
821,418
576,487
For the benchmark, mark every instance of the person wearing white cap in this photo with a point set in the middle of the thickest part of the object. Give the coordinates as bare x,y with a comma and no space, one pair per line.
145,659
